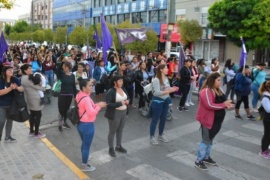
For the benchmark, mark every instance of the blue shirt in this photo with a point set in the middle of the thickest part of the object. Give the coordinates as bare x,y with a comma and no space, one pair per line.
6,100
260,76
36,66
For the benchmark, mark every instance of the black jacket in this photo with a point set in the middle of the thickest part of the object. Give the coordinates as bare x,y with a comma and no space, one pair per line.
112,104
185,75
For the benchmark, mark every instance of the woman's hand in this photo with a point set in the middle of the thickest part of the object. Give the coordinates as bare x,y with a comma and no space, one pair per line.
102,104
13,86
228,104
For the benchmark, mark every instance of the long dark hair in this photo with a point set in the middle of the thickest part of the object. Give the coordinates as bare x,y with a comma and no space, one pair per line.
210,83
228,64
3,74
149,64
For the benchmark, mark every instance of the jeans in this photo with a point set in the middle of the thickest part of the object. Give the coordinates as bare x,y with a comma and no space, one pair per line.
255,89
4,120
189,96
86,131
201,82
50,77
160,110
228,91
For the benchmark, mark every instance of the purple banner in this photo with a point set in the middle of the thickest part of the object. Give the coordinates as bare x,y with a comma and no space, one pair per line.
130,35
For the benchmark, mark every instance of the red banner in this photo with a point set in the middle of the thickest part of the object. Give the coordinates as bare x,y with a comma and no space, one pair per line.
175,37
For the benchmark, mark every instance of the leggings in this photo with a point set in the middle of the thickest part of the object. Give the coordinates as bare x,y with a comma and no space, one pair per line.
35,117
3,120
266,136
63,106
241,99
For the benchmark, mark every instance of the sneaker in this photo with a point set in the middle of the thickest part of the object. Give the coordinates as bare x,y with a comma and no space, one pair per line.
185,109
10,139
163,138
201,165
210,161
132,106
180,109
153,140
120,149
31,134
60,128
265,154
87,167
39,135
140,109
191,103
250,117
238,117
66,126
112,152
255,110
187,104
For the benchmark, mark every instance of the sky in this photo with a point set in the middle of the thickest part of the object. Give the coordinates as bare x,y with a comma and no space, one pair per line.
21,7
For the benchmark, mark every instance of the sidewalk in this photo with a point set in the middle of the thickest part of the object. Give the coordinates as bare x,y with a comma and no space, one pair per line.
31,158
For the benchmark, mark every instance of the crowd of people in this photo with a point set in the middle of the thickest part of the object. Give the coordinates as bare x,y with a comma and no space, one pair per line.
117,80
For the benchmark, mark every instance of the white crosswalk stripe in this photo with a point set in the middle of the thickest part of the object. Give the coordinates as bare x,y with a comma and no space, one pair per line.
243,137
242,154
219,172
146,171
253,127
102,157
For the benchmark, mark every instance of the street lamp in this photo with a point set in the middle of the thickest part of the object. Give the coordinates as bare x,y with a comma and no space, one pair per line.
168,42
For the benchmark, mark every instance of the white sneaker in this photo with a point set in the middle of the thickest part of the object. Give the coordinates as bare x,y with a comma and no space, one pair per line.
255,110
153,140
191,103
163,138
87,167
187,104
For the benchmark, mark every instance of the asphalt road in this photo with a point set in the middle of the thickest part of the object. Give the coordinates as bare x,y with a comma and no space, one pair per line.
235,148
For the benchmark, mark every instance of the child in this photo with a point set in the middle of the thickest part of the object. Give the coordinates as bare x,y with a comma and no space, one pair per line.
38,78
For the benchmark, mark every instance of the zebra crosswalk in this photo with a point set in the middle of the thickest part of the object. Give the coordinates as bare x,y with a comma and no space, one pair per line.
230,147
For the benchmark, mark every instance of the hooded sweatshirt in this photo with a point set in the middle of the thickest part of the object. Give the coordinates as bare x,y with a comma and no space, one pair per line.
88,110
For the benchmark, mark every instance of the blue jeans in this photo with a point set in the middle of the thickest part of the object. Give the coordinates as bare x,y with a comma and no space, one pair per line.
201,82
86,131
50,77
160,109
255,89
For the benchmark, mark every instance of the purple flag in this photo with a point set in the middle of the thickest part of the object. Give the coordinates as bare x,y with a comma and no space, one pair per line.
182,58
130,35
3,46
96,37
243,55
106,38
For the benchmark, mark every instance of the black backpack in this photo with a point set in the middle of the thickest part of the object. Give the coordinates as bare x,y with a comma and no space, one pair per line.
73,113
262,110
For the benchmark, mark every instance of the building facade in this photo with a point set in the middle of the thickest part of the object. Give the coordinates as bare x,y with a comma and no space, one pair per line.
25,17
41,13
211,44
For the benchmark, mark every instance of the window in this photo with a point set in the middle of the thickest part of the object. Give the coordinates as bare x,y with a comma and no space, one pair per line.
96,3
110,19
121,1
46,6
162,16
96,20
158,16
180,14
46,17
122,17
42,17
139,17
41,7
204,15
38,17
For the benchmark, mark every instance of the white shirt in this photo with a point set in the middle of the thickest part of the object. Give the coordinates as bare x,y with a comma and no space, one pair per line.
120,98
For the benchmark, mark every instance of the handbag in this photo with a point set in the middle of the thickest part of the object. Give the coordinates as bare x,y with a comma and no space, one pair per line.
56,88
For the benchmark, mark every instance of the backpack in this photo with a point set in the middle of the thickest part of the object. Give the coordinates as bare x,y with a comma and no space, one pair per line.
73,113
253,77
262,110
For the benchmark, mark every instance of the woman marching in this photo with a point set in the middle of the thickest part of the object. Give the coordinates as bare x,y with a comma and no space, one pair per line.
160,103
211,113
116,112
88,111
265,93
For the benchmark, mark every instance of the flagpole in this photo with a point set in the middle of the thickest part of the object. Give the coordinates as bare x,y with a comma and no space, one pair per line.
241,37
116,53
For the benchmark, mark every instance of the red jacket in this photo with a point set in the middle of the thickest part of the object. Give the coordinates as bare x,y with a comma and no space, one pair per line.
207,107
47,66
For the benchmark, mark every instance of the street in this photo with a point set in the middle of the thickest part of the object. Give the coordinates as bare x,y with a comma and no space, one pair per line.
235,148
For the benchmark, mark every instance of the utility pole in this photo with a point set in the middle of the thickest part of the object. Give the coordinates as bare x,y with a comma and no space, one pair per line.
32,19
170,21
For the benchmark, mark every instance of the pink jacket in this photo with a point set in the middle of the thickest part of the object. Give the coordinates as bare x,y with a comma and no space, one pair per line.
88,106
207,107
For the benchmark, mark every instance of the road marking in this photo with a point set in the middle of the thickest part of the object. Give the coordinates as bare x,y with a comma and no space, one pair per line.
146,171
81,175
102,156
220,171
243,137
253,127
242,154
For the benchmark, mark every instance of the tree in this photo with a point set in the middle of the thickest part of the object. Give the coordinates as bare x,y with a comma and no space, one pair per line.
7,29
249,20
6,4
60,35
14,36
20,26
48,33
78,36
190,31
38,36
